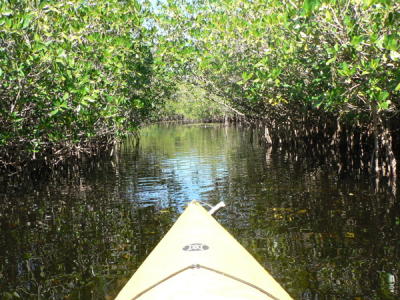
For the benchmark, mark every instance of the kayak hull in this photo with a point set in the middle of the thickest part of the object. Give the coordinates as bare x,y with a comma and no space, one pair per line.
199,259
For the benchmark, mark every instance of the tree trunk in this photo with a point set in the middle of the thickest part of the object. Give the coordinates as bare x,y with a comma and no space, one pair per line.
375,128
267,136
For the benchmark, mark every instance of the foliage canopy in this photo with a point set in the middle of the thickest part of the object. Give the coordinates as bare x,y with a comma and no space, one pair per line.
72,72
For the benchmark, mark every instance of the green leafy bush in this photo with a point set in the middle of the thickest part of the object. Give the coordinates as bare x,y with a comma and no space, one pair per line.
71,73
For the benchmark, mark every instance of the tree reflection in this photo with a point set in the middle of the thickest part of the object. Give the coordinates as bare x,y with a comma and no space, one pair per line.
81,236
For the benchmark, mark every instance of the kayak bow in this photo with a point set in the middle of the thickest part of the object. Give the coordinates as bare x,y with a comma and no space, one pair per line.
199,259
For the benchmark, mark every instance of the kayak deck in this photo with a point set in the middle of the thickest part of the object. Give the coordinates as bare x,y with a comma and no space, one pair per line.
199,259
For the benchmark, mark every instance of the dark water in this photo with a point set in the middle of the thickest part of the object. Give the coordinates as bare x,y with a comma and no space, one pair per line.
81,235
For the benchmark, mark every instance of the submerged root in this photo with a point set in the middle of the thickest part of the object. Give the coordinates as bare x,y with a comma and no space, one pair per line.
18,159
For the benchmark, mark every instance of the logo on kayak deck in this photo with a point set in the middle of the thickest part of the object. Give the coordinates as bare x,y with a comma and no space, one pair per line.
195,247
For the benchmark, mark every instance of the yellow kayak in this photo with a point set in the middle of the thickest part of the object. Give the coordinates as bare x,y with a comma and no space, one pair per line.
199,259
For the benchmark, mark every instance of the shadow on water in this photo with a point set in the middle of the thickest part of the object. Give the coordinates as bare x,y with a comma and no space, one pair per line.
81,236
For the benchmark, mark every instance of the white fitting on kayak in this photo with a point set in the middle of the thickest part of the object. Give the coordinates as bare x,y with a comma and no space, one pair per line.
214,209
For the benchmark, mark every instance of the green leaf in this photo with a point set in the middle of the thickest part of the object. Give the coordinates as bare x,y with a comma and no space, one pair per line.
310,5
382,96
356,42
390,42
384,105
368,3
374,63
26,21
330,61
247,76
54,112
379,42
394,55
346,70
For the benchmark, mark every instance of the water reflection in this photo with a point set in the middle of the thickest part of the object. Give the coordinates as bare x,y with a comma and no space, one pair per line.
81,236
178,164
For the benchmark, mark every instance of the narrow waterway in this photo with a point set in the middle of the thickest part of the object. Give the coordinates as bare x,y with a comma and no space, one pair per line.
82,234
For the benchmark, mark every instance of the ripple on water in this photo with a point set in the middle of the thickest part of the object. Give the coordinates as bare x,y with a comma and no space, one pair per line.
321,236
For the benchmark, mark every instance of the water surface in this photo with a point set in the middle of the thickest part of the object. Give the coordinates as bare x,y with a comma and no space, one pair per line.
82,234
